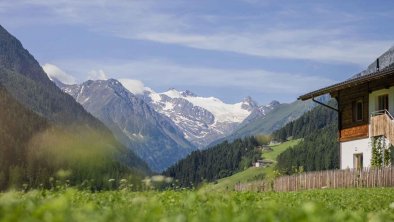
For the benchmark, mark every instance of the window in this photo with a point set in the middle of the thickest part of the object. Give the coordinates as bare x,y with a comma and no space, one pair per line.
358,111
358,161
383,102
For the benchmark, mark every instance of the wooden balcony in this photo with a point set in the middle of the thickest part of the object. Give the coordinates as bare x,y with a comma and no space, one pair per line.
382,124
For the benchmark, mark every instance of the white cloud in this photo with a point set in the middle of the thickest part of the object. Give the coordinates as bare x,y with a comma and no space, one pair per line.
55,72
134,86
258,80
165,74
97,75
162,21
313,44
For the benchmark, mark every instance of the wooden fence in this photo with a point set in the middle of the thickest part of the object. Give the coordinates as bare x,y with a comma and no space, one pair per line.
367,177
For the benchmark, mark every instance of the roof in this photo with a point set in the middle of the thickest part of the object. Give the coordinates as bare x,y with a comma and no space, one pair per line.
349,83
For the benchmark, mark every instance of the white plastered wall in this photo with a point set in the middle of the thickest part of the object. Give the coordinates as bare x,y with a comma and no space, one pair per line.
348,149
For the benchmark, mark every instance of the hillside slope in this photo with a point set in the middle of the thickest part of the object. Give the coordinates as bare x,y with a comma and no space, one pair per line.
212,164
23,78
32,150
313,120
17,126
274,120
319,149
251,173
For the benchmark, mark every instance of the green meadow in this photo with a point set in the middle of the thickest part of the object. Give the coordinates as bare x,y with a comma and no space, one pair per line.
317,205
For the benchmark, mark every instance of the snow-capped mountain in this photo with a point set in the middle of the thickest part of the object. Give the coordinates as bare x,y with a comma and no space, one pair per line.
153,136
202,119
163,127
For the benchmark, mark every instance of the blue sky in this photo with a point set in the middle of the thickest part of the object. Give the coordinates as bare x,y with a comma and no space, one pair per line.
229,49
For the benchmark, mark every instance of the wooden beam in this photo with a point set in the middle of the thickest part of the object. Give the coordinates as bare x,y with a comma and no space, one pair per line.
325,105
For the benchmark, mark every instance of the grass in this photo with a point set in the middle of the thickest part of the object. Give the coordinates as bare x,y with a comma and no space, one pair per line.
228,183
251,173
278,149
317,205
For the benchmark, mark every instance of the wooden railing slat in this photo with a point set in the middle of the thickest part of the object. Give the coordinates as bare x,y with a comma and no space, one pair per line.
367,177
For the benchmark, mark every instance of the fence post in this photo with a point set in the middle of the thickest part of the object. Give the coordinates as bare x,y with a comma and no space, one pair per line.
366,177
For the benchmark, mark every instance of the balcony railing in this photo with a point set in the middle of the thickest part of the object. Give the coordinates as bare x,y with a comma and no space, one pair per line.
382,124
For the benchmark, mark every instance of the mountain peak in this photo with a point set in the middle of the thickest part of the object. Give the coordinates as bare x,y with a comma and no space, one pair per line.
247,99
187,93
172,89
114,82
274,103
173,93
249,104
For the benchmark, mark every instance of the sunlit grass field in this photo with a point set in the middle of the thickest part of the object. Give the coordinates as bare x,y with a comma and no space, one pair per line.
317,205
278,149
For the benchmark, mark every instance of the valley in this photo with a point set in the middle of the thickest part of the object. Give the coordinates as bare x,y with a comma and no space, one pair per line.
182,111
162,128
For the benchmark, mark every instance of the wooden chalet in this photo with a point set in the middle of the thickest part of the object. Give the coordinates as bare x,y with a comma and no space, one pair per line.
365,107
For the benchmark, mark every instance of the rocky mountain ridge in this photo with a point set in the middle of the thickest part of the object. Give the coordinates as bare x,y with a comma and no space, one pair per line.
154,137
204,119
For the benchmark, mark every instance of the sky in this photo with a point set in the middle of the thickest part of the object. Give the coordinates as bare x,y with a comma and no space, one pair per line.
229,49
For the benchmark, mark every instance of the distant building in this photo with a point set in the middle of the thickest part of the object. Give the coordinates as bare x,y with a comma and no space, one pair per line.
264,148
262,163
273,143
258,163
365,107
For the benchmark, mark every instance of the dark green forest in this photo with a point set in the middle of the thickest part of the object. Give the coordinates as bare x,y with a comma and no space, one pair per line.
311,121
319,149
220,161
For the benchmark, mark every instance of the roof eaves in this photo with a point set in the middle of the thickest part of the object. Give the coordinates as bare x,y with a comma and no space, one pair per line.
348,83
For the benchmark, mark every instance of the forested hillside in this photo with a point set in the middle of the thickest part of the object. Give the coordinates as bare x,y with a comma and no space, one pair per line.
17,125
214,163
313,120
25,80
319,150
32,151
45,131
